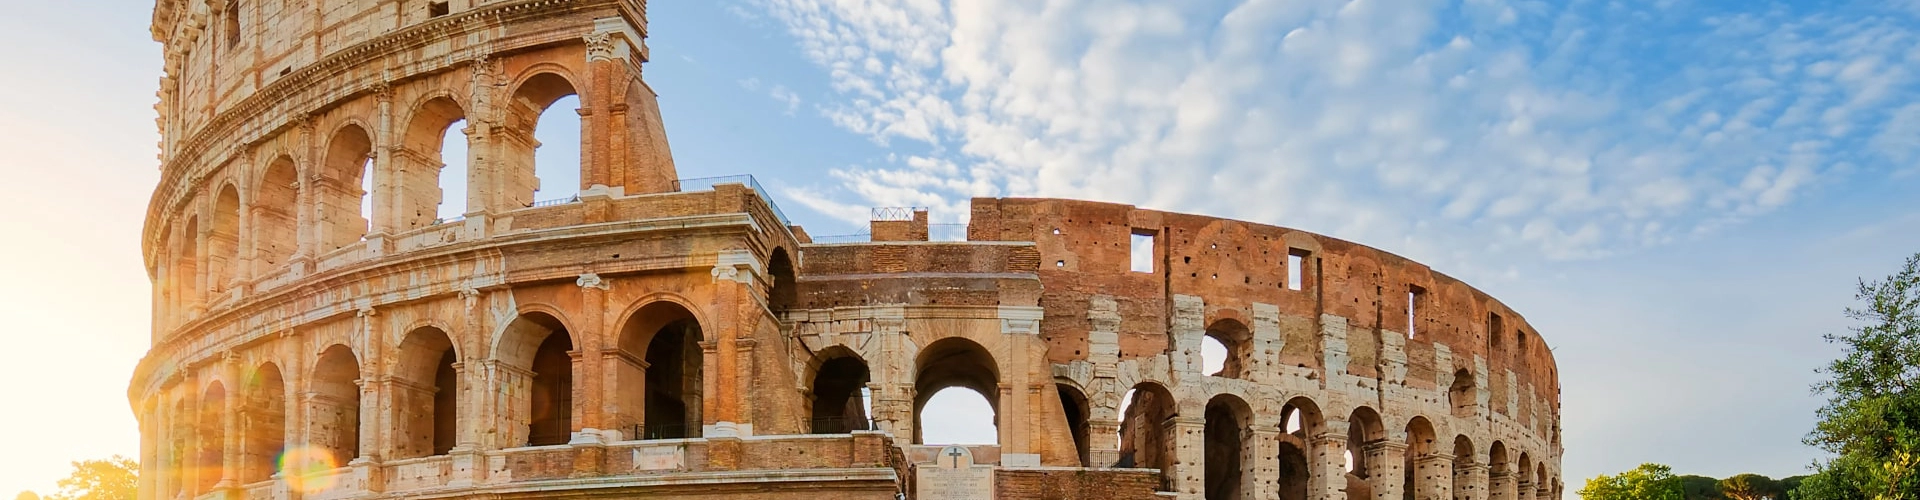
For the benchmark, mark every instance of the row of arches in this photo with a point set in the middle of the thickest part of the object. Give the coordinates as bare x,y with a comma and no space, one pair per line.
260,218
432,403
1365,457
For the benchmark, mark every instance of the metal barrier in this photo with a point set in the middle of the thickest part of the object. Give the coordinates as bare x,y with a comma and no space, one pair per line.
673,431
707,184
841,425
558,201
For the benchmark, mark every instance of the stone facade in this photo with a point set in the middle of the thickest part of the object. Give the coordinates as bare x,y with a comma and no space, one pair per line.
665,338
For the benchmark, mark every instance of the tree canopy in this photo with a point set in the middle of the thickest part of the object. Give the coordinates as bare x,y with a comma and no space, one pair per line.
115,478
1646,482
1871,421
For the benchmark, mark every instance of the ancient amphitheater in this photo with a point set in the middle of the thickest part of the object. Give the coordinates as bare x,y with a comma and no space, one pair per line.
666,338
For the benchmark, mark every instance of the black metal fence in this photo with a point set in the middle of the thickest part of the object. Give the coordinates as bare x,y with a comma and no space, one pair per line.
841,425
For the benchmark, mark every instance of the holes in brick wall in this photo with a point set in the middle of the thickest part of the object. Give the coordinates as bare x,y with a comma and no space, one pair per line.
1059,263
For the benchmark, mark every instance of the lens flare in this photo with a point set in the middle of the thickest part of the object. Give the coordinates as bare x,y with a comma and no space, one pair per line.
309,468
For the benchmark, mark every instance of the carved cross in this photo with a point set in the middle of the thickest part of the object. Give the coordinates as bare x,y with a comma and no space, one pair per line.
955,453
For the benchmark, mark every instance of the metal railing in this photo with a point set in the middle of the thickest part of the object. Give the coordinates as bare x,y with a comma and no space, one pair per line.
449,220
670,431
841,425
707,184
895,213
556,201
844,238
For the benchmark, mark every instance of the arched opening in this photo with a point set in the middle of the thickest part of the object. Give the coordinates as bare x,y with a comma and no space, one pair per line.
1425,478
1300,419
335,411
276,233
223,240
186,269
784,291
1144,443
1463,485
552,392
1540,481
265,423
428,397
956,363
1074,405
1461,396
436,127
177,462
1226,436
345,208
837,405
1497,473
674,371
1365,432
542,142
210,431
1523,477
539,347
1231,344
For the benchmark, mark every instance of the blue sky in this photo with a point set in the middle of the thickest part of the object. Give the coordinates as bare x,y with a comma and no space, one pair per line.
1678,194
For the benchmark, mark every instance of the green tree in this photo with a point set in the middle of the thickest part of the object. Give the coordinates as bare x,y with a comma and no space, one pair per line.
1750,487
1871,421
1700,488
115,478
1646,482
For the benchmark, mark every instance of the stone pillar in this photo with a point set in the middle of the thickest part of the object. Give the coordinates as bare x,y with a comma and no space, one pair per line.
1189,326
1260,452
1386,469
1501,485
511,386
1470,482
1188,433
385,203
230,424
588,370
1104,393
1433,476
1327,476
736,313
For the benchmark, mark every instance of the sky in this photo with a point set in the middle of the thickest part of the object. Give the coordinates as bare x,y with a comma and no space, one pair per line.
1680,196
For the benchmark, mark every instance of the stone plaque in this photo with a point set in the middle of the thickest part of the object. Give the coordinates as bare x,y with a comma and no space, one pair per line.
659,458
952,476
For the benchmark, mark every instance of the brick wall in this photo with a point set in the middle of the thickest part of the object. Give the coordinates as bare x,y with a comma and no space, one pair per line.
1075,484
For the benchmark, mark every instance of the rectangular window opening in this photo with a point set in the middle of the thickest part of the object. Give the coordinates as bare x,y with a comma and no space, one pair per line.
1494,328
1415,295
1142,251
1296,268
436,9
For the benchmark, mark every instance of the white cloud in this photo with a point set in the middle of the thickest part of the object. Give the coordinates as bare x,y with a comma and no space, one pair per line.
1425,128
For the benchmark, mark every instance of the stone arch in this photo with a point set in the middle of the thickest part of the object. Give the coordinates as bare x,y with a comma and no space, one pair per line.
537,90
1365,430
276,220
1463,464
264,426
662,372
427,399
1461,396
835,403
1300,421
783,291
1540,480
419,165
333,413
1145,440
1425,476
1075,406
223,239
344,173
1523,477
210,437
1228,443
1497,472
954,362
1237,340
536,350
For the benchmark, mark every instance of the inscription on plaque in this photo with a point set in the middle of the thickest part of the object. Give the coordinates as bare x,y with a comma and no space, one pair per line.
659,458
952,476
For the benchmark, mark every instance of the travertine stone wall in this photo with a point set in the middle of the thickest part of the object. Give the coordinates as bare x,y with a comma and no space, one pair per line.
641,339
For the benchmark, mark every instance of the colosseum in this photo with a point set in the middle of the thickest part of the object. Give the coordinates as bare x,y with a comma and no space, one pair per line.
322,332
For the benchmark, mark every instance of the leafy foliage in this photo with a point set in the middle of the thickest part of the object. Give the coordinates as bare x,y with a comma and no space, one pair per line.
1700,488
115,478
1872,418
1646,482
1750,487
